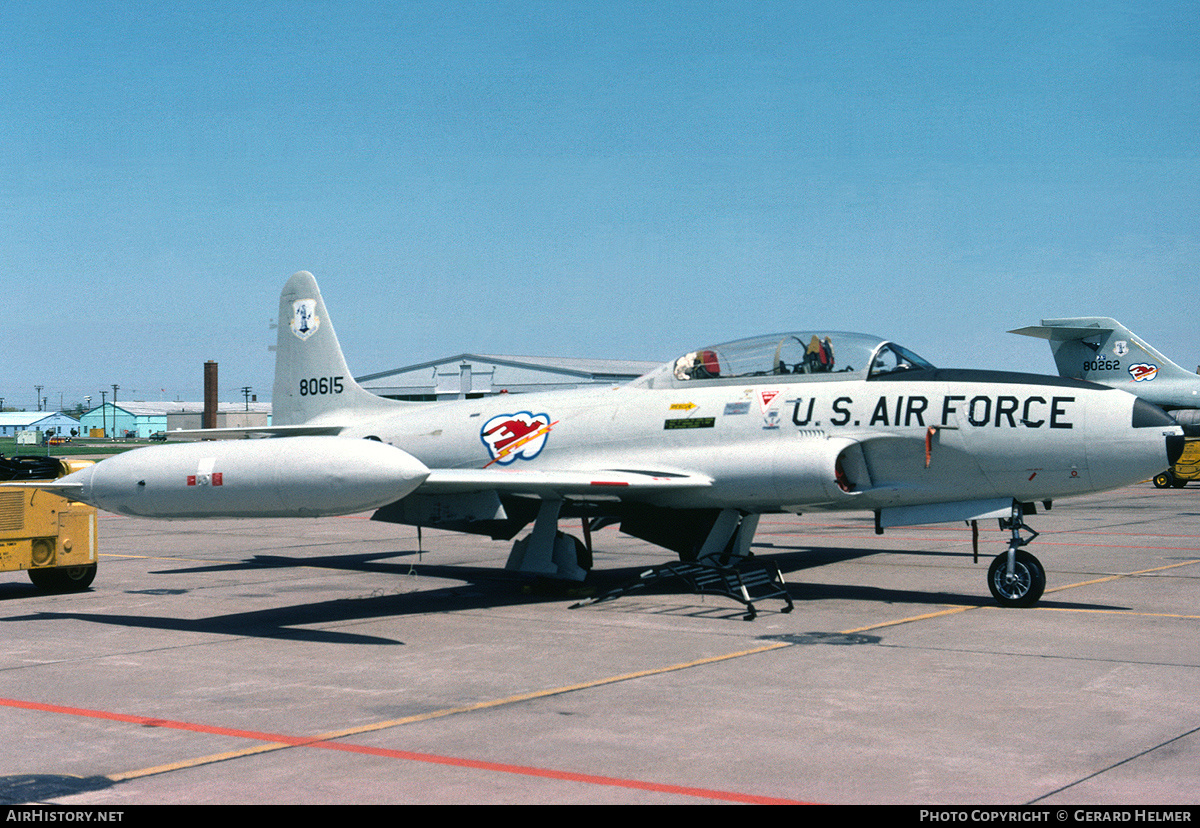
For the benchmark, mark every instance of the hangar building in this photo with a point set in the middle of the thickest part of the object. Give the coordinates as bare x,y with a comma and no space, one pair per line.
454,377
13,421
141,419
478,375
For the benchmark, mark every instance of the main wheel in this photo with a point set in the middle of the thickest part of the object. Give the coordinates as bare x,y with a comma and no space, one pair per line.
63,579
77,578
1163,480
1029,580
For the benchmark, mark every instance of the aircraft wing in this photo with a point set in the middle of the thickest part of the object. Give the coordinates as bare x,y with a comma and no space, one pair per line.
1060,332
605,482
311,430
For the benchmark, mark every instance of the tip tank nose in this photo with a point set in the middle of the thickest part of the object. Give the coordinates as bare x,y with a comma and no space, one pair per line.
77,485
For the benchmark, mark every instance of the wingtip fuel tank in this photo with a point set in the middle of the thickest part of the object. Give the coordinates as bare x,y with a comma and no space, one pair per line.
279,477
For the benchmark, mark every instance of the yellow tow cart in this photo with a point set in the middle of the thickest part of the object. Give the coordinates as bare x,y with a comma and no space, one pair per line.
50,537
1186,468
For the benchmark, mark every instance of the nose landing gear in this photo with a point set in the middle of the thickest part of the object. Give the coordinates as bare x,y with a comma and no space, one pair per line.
1016,578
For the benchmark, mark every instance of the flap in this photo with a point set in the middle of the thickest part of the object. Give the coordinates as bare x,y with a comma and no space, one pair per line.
609,482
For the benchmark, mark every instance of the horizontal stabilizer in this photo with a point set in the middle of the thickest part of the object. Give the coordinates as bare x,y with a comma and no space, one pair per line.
254,431
1060,333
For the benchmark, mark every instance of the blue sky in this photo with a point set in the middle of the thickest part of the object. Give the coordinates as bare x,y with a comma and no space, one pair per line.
616,179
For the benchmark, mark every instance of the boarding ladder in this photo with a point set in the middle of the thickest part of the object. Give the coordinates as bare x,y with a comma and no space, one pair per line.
743,579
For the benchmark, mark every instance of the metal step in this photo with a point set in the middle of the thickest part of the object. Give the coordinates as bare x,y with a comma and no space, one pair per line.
744,580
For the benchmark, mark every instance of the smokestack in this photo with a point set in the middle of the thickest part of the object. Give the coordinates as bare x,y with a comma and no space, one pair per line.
210,395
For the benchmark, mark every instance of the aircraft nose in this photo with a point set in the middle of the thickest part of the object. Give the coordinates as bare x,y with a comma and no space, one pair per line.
1175,444
1148,415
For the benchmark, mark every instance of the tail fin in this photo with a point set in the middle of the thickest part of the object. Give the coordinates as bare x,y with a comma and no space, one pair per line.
312,381
1102,350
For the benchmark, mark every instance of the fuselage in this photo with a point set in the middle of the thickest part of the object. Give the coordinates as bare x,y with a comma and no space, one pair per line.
923,436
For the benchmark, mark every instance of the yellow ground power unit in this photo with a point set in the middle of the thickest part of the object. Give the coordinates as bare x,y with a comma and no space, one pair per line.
50,537
1186,468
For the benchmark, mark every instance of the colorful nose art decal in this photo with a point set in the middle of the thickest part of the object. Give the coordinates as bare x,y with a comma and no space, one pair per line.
509,437
1143,371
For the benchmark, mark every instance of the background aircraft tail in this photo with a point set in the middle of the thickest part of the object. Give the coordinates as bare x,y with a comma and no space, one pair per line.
1103,350
312,382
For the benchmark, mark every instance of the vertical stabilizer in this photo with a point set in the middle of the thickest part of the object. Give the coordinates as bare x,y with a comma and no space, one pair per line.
312,382
1103,350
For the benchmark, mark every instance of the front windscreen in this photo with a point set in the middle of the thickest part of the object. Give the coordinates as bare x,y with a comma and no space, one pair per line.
891,359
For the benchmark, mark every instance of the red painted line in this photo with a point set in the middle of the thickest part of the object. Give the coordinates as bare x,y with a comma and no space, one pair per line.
429,758
146,721
566,776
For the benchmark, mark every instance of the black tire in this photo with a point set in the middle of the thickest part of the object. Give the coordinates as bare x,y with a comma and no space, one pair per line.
63,579
44,579
1029,585
77,578
1178,482
1163,480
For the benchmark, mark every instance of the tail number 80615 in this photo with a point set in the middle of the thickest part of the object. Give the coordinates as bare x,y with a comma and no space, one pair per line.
320,385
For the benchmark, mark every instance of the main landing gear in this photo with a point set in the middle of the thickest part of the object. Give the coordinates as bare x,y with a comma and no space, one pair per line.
1016,578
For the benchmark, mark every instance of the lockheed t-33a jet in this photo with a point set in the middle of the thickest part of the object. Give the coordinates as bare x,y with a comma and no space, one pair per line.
1101,349
687,457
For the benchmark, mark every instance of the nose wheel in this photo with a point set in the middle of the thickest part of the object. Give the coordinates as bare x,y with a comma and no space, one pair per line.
1021,589
1016,578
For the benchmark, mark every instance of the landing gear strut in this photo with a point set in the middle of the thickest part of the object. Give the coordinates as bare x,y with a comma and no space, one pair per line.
1016,578
547,551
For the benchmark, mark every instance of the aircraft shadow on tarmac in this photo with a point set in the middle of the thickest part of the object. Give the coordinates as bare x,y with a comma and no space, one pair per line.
484,588
24,789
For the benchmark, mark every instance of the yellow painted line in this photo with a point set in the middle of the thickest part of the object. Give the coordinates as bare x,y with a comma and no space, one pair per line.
1121,575
1120,612
957,609
436,714
197,762
540,694
911,619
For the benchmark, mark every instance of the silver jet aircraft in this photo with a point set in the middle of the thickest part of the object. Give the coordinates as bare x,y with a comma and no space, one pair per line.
1103,350
687,457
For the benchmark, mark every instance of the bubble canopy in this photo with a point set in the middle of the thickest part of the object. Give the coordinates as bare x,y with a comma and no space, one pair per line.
803,357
